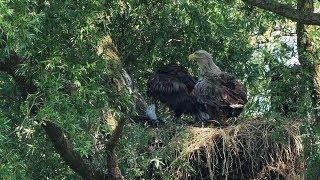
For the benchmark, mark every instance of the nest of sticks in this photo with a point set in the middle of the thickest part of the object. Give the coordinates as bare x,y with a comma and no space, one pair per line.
253,149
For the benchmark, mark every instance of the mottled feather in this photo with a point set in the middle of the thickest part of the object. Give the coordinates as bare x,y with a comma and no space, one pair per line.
222,91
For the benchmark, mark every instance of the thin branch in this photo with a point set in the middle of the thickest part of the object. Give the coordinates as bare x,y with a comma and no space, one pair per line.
112,160
114,140
286,11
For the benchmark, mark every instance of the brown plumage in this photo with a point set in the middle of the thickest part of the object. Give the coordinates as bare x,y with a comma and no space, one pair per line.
173,86
222,95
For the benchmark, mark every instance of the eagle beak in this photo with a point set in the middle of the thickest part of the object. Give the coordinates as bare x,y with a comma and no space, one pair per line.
192,57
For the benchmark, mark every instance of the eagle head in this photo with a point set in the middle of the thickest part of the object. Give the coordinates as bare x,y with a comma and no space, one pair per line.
200,56
204,61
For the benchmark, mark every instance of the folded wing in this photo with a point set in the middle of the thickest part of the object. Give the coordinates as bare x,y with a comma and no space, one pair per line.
222,94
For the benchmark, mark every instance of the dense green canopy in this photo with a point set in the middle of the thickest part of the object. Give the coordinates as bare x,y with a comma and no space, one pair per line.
57,65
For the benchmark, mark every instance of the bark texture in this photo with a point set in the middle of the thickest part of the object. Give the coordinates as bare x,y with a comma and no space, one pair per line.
307,17
307,57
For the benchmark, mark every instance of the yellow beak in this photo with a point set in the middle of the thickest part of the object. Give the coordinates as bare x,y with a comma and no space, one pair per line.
192,57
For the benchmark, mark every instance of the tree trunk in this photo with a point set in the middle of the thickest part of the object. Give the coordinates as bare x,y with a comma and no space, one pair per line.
307,59
316,94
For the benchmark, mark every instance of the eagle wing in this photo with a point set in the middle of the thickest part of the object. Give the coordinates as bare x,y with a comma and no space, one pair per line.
179,74
171,79
173,85
162,84
235,87
211,93
222,91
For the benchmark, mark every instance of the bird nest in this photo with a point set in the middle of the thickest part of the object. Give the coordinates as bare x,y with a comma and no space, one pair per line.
250,150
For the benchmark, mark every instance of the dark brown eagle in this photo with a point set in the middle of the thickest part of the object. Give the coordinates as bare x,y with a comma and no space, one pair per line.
173,86
222,95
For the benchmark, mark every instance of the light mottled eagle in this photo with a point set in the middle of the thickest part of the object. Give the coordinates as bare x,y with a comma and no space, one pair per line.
222,95
173,86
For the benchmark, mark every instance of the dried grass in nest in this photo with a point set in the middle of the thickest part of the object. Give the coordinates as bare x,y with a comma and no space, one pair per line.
253,149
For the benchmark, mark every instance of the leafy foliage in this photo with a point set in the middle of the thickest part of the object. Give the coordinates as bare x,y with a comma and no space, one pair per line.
60,42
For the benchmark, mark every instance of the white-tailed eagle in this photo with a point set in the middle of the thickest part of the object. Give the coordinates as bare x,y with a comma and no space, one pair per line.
220,92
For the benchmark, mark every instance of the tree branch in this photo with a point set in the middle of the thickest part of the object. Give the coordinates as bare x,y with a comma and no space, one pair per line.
10,66
114,140
72,158
61,143
112,160
286,11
